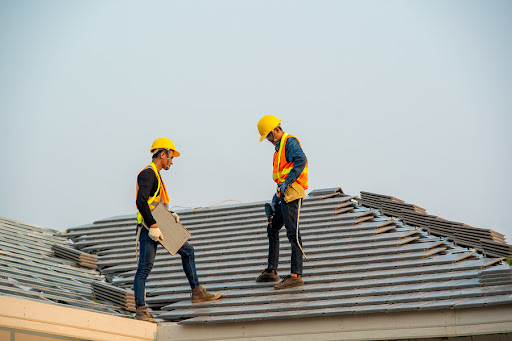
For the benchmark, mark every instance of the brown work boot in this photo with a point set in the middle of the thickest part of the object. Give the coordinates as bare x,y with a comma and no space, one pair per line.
290,282
268,275
143,314
199,294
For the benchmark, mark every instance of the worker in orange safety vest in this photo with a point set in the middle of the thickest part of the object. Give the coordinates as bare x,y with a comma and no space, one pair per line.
290,172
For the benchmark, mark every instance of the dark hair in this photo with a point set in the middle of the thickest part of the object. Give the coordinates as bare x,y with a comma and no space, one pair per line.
159,151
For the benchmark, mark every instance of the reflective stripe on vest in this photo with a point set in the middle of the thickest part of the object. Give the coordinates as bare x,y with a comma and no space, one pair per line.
159,197
282,167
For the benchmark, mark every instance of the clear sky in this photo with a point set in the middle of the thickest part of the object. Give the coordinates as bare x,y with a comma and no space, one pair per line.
406,98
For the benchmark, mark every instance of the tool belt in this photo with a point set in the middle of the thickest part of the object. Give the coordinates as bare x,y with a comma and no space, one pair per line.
294,192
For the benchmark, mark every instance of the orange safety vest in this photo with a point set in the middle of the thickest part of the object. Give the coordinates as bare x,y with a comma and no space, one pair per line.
160,196
282,167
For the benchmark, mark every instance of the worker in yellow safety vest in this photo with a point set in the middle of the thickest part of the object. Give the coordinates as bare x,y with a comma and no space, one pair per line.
150,192
290,172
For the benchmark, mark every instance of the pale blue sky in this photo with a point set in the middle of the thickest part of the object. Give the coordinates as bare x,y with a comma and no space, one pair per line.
405,98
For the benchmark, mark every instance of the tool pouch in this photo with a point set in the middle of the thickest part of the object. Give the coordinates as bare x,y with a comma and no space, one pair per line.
294,192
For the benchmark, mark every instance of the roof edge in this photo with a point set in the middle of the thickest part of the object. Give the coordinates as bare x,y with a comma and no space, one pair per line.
381,326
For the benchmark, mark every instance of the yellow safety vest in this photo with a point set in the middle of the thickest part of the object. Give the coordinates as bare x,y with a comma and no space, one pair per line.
159,196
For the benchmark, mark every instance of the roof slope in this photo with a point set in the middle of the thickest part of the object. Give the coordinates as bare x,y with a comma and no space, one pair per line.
486,241
30,269
359,261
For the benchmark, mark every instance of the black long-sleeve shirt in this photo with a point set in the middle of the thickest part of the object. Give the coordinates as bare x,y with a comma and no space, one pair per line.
148,184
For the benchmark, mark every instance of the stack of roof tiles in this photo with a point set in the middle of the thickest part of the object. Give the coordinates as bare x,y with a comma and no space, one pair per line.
119,296
359,261
81,258
30,270
487,241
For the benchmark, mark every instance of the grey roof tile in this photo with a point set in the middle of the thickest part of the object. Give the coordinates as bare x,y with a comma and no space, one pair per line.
442,304
366,262
397,298
258,316
407,306
484,301
371,309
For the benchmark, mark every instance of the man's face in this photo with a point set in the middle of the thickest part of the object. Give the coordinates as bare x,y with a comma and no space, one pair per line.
271,137
167,160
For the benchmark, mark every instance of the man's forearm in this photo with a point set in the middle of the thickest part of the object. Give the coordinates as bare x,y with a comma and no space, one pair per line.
295,172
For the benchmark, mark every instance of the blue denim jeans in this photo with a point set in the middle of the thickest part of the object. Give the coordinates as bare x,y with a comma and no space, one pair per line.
287,214
147,253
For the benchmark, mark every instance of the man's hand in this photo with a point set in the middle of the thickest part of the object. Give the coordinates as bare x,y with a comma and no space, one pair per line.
155,233
275,202
281,189
176,216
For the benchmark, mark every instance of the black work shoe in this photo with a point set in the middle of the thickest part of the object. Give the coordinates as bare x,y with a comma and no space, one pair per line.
268,275
290,282
199,294
143,314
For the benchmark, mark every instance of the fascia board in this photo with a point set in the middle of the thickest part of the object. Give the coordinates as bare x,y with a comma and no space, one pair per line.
69,322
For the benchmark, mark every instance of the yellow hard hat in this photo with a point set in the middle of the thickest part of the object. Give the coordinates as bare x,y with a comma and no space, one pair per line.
267,124
164,143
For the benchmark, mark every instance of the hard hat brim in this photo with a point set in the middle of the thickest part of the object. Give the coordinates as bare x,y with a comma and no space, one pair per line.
174,154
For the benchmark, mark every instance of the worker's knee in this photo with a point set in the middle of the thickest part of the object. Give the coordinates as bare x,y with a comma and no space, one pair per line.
292,237
187,251
293,234
143,271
